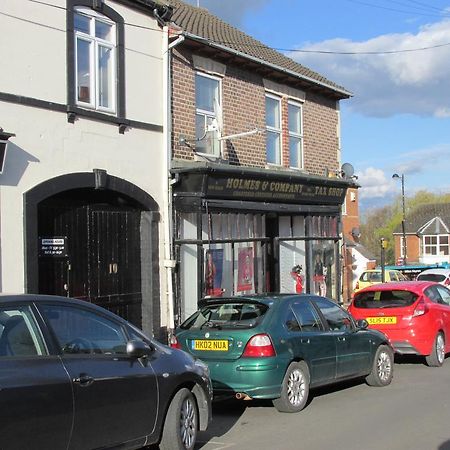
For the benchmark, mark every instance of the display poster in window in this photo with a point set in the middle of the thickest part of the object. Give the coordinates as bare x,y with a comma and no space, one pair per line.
213,272
245,269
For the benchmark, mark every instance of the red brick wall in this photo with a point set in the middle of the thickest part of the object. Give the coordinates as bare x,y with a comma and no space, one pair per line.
320,121
412,248
350,220
243,105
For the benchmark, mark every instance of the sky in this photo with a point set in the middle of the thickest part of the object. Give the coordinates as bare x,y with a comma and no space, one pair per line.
398,120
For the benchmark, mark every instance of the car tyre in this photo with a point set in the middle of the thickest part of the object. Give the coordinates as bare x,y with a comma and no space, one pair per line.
437,356
295,388
382,367
181,424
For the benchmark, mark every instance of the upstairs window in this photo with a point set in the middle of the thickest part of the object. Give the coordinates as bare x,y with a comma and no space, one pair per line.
207,120
295,135
273,129
95,49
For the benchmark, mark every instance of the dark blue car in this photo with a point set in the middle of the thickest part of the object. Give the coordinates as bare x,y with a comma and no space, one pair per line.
75,376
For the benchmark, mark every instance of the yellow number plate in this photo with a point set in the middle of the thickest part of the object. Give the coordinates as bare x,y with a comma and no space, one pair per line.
381,320
210,344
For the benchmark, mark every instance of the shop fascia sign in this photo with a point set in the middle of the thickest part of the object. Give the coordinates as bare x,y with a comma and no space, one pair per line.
274,190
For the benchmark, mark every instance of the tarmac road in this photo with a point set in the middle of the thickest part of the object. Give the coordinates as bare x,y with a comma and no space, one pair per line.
413,413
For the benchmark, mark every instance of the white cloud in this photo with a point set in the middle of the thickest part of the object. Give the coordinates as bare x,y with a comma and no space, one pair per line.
374,183
384,85
231,11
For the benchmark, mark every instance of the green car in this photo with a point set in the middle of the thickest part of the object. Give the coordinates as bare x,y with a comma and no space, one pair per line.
279,346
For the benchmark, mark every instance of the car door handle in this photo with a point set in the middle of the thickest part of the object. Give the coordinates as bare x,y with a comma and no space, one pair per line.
304,341
341,338
84,380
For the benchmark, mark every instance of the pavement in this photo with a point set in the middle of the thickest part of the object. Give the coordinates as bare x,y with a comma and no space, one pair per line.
412,413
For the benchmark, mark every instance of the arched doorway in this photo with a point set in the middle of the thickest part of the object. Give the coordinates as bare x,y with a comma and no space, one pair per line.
97,243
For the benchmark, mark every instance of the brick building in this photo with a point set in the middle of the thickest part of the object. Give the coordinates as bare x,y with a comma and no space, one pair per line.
427,231
255,166
355,257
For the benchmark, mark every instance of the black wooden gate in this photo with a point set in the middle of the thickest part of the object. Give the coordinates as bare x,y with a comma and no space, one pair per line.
103,262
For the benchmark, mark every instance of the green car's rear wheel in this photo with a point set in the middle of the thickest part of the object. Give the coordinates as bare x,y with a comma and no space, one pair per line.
295,388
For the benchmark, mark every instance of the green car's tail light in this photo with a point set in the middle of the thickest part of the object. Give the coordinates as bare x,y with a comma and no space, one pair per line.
259,346
173,342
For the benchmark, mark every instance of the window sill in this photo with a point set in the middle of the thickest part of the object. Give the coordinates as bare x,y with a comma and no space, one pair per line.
73,112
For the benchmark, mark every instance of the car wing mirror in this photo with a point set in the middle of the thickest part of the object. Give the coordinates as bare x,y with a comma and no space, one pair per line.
362,324
138,349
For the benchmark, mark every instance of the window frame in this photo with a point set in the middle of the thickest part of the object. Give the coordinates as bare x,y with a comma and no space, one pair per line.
299,136
437,246
94,60
208,114
279,131
74,109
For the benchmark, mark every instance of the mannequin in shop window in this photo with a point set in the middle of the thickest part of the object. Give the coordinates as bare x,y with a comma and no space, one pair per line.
320,287
297,275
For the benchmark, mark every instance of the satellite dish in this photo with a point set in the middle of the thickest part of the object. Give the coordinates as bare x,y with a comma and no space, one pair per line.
347,170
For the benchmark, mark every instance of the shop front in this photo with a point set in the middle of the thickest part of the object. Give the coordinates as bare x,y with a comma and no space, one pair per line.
243,231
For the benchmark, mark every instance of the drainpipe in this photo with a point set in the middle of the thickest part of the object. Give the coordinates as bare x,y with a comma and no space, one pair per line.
169,261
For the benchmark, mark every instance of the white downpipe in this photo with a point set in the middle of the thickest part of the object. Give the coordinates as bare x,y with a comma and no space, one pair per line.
169,262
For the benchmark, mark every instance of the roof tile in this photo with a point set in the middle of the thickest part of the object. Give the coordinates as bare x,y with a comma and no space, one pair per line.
200,22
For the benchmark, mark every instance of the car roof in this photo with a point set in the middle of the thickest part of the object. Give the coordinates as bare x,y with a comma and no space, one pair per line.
415,286
379,270
267,299
436,270
41,298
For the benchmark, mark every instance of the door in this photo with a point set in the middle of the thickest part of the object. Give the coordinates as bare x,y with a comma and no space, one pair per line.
352,346
440,296
310,341
103,259
116,397
36,406
115,261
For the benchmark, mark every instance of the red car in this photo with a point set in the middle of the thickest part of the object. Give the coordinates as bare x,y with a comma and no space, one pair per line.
414,315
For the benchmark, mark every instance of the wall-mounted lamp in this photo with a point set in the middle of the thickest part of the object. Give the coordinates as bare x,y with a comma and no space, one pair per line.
4,137
100,178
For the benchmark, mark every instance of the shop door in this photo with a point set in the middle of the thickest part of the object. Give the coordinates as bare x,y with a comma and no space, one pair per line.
102,264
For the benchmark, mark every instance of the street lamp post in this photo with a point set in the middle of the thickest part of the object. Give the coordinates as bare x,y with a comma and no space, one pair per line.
402,178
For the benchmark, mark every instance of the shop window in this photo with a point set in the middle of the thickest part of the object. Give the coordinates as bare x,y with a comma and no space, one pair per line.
207,120
273,129
324,268
95,60
295,135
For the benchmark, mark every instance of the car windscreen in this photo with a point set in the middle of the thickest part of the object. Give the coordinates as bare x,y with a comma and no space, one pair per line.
384,299
431,277
371,277
227,315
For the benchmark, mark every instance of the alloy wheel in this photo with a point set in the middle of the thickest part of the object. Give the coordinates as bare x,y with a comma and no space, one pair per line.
296,387
188,425
384,366
440,348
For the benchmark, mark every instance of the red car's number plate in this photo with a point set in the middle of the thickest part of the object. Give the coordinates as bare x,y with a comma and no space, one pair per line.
381,320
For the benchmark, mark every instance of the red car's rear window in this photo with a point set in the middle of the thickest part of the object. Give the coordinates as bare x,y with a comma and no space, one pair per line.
384,299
